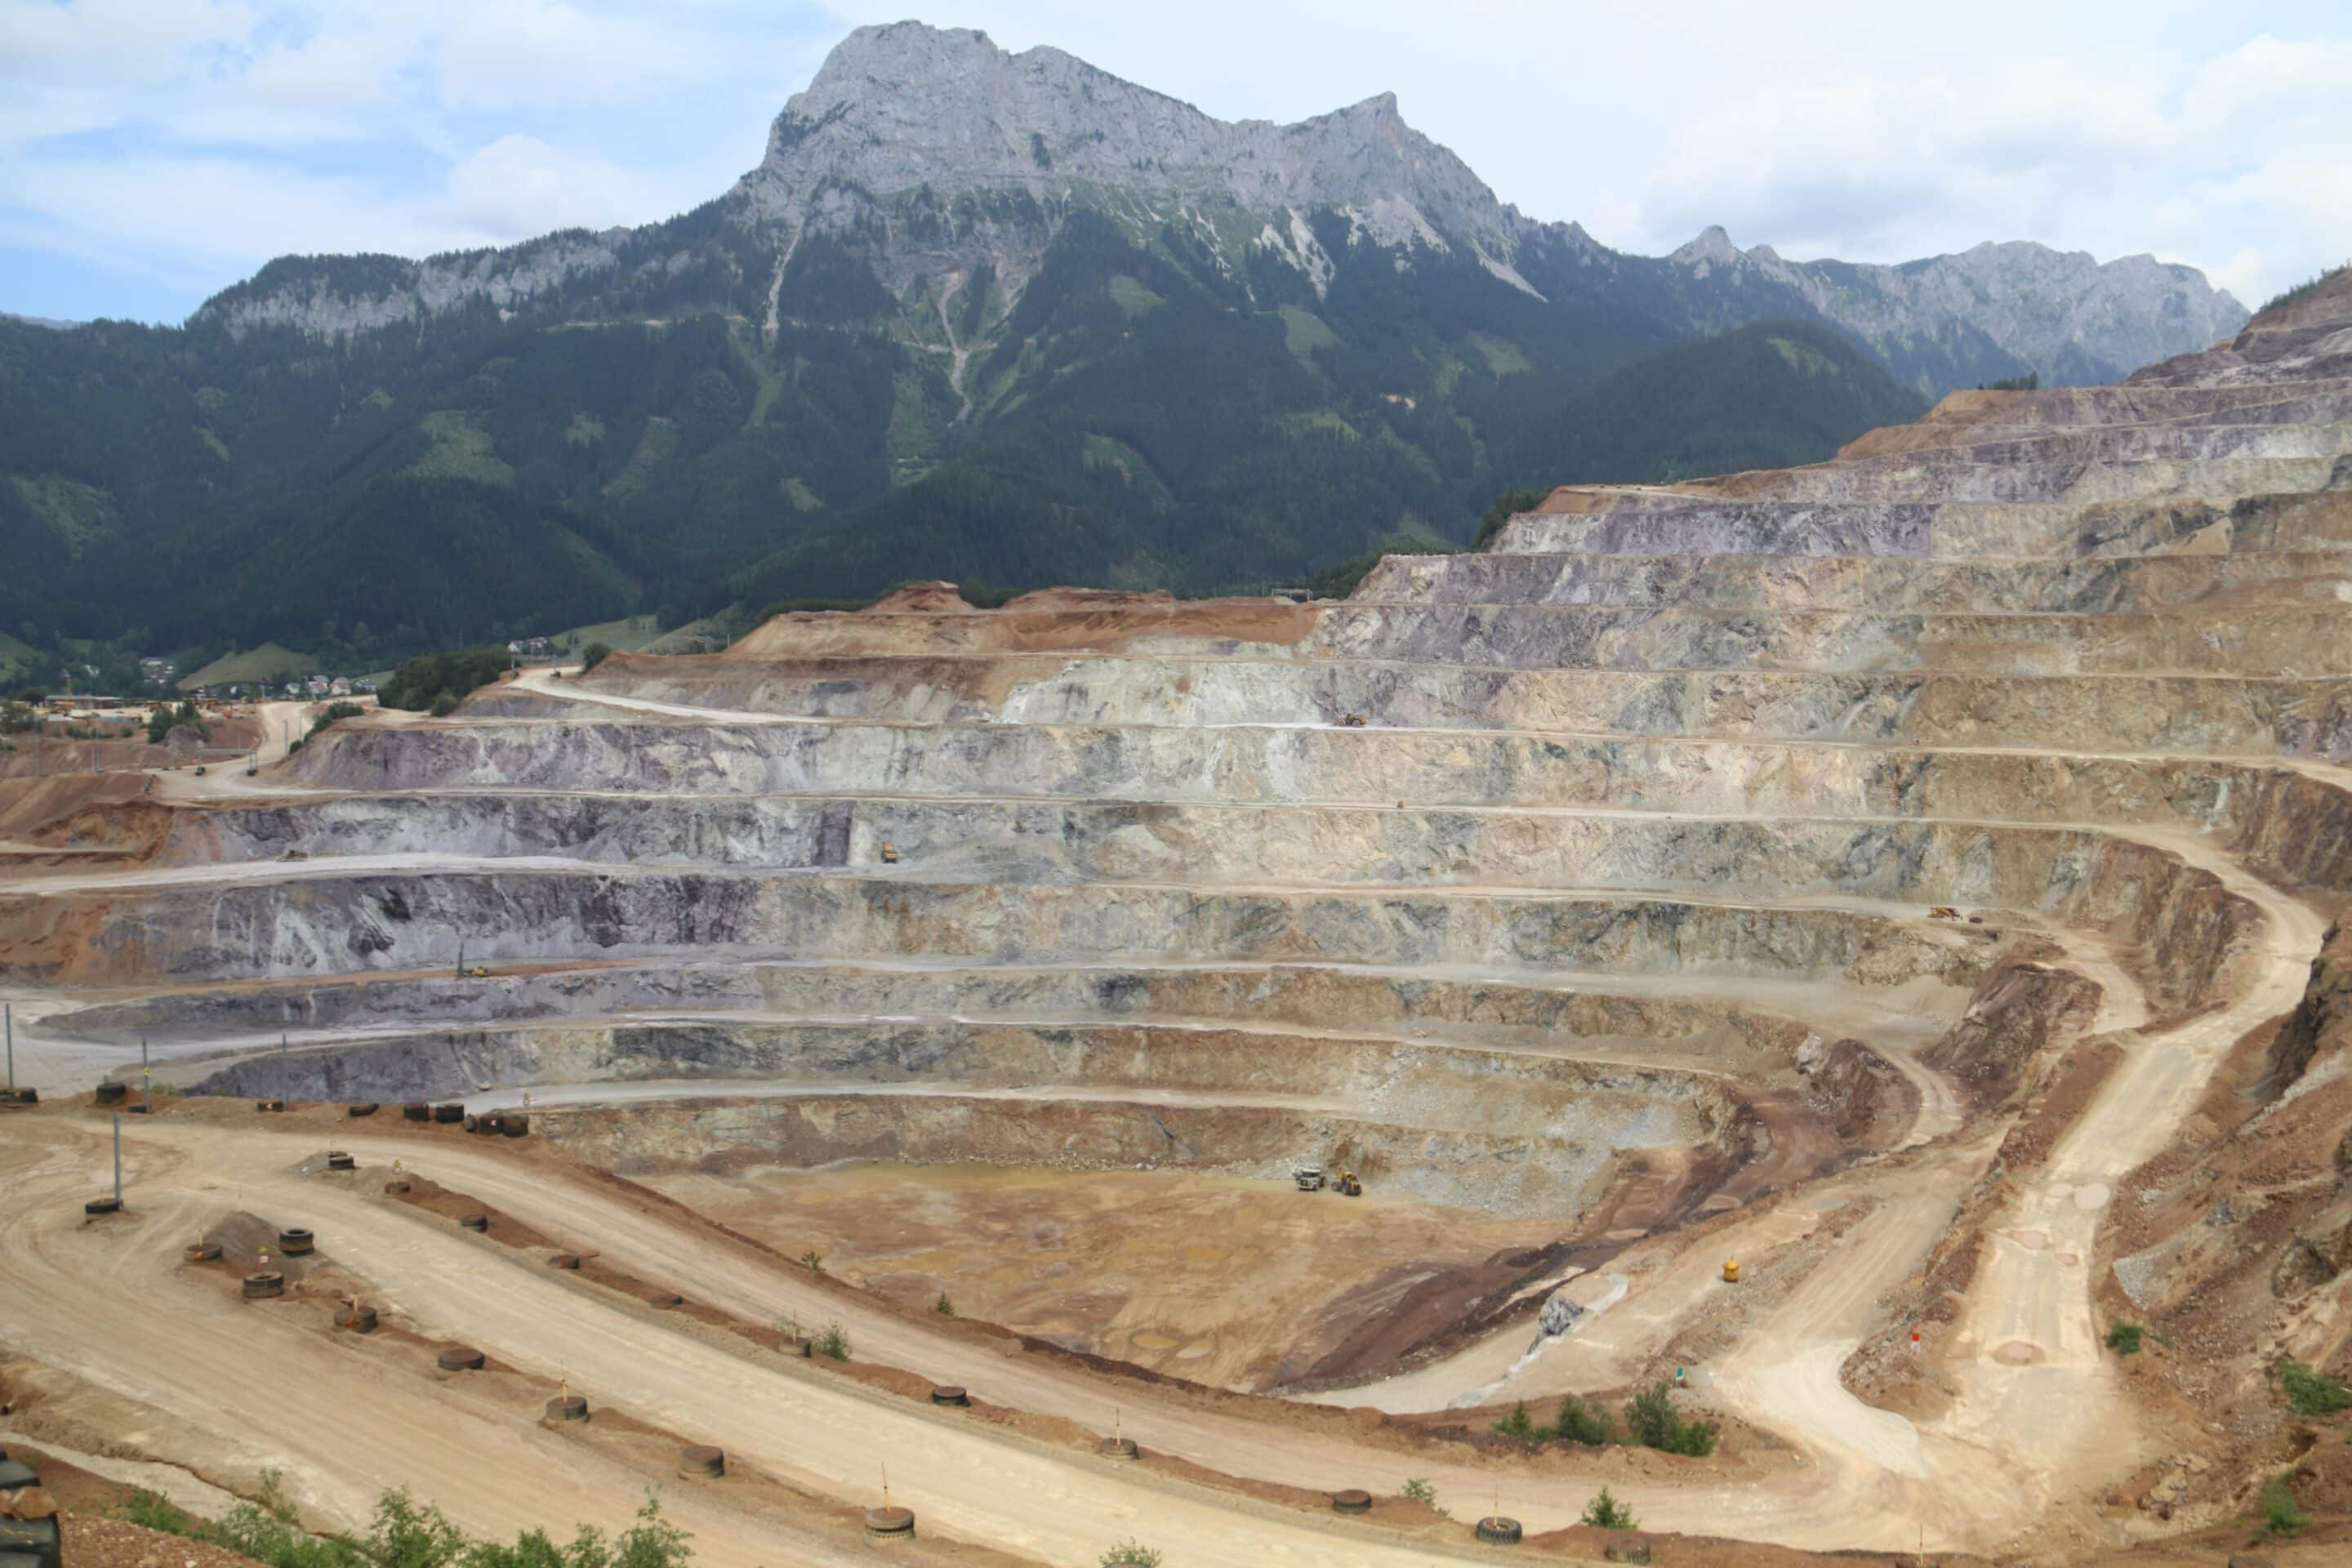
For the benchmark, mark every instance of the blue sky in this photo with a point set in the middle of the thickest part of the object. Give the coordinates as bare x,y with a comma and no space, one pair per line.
154,151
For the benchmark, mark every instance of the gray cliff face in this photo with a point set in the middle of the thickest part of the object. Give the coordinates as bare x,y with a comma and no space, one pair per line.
931,153
906,107
2036,302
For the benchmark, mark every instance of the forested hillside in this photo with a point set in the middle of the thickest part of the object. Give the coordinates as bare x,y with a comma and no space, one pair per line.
1112,341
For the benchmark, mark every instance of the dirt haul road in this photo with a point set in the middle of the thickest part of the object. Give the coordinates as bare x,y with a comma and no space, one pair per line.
243,1390
267,1387
826,1434
2038,1413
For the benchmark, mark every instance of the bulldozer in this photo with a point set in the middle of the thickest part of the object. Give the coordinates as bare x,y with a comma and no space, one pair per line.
480,972
889,854
1348,1186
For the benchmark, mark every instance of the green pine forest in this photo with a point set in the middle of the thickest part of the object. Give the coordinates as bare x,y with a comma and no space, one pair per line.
1142,416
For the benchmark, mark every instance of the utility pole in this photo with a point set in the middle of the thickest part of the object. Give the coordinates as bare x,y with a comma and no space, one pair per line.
118,1159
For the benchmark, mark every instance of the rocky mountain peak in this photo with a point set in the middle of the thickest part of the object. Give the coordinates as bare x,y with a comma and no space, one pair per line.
907,106
1713,245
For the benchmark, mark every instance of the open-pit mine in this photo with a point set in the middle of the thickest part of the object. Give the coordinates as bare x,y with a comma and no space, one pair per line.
1836,942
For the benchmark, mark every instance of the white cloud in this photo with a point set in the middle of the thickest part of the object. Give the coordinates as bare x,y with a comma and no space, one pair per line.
203,135
518,186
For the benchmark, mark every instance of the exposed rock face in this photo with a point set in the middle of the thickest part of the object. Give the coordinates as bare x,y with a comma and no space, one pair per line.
933,154
2063,310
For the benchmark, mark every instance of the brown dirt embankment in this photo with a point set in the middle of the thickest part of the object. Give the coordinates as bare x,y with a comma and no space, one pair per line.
928,617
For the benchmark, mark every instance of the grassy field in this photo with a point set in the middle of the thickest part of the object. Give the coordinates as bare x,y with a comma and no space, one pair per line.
625,636
253,664
17,661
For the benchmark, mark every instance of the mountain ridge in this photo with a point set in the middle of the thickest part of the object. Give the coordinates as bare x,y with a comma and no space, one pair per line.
903,115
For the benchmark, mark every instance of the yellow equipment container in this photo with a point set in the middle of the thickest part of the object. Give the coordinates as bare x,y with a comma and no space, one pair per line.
1731,1272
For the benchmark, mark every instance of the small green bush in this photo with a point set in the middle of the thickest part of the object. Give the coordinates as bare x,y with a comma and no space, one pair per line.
1518,1423
1650,1417
1605,1513
595,654
335,713
1131,1551
152,1510
2124,1339
832,1341
1581,1423
405,1533
943,1307
1418,1489
2281,1514
2313,1393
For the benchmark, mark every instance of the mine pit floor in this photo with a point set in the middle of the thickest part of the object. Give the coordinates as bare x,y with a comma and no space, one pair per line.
1211,1278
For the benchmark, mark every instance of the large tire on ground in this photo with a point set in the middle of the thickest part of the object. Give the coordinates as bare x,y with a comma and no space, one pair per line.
480,1222
1498,1531
1353,1500
356,1320
15,1475
202,1252
1118,1449
666,1299
892,1523
263,1286
102,1205
113,1093
564,1260
1626,1549
295,1241
398,1188
269,1105
364,1107
568,1408
474,1123
338,1159
34,1539
417,1112
445,1114
951,1394
460,1358
701,1462
514,1124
